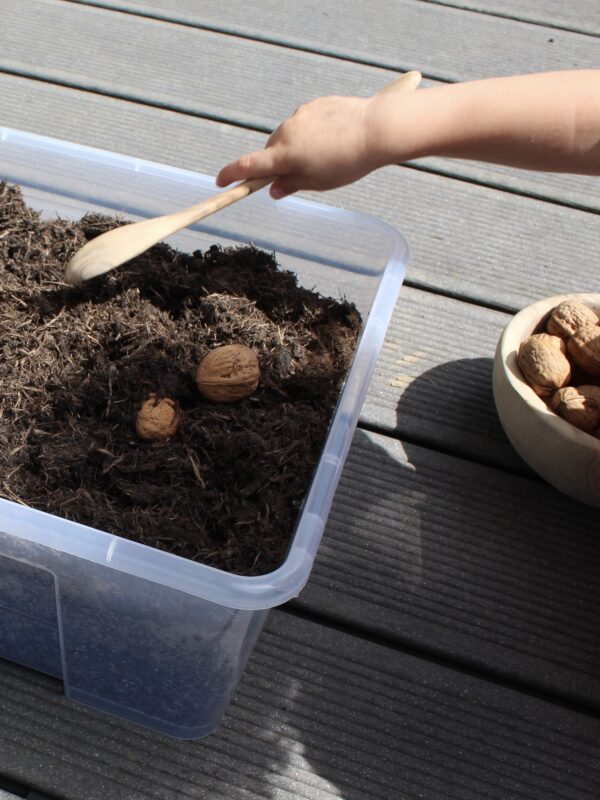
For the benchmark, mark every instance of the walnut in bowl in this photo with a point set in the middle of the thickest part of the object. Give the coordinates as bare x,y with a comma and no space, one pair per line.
565,456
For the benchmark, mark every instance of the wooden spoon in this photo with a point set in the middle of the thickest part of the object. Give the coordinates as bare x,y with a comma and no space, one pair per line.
116,246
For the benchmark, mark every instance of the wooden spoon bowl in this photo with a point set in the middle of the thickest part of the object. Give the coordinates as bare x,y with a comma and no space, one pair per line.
564,456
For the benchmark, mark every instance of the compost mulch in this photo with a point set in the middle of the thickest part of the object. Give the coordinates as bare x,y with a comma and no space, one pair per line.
76,363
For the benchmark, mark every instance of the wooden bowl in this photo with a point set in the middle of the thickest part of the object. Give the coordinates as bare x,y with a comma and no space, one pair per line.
566,457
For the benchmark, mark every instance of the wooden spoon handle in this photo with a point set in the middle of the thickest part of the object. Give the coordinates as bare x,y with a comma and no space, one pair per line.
405,83
188,216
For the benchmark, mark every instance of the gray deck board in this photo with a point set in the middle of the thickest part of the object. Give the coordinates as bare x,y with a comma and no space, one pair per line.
430,36
468,240
485,245
194,71
319,714
494,570
582,16
579,191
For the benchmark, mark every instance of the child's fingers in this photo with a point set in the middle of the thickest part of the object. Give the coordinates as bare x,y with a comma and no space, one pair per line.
254,165
282,187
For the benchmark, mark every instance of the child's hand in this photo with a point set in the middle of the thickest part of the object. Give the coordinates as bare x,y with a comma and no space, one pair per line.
325,144
549,121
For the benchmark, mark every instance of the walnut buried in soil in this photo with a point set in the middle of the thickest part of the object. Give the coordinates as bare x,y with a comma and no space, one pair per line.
228,373
157,420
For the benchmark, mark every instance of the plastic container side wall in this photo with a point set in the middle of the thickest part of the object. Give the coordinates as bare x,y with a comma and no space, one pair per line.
150,654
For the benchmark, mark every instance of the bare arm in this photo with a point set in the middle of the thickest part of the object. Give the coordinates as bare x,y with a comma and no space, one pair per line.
547,121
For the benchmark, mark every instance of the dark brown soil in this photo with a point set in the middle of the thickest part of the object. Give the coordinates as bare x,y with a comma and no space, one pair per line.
77,362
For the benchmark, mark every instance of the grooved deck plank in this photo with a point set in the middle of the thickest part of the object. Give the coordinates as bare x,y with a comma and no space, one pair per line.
582,16
398,34
468,240
579,191
491,569
473,242
319,714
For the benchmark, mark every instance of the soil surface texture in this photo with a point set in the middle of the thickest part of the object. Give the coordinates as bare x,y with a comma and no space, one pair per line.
76,363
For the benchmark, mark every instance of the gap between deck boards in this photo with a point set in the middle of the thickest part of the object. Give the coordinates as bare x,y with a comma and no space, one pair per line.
435,447
524,16
377,636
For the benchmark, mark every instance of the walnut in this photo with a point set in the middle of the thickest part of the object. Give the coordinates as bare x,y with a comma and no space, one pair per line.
543,361
228,373
591,391
584,348
158,419
568,316
580,410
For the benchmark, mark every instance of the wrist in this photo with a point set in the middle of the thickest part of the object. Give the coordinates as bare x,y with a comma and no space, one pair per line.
397,128
426,122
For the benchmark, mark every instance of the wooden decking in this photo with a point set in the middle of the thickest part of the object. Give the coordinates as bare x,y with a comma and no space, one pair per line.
447,644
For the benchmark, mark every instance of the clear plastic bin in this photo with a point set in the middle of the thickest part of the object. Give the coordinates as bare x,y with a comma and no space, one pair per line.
134,631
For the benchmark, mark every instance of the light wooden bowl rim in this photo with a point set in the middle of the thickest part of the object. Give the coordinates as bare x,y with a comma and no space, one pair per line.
523,324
